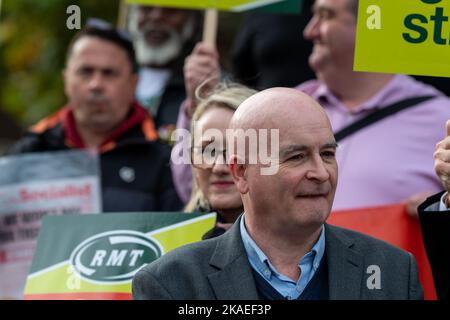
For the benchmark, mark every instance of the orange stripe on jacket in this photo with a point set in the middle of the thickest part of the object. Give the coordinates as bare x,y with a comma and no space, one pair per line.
148,127
50,121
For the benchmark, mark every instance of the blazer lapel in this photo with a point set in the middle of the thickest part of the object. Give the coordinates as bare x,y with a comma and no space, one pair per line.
234,279
345,266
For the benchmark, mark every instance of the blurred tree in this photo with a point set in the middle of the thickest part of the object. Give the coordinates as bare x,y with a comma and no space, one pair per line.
33,43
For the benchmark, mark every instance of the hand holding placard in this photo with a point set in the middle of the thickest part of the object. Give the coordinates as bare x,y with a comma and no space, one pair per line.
201,65
442,160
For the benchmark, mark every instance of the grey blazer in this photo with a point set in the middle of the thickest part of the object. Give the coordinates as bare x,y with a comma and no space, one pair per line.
219,269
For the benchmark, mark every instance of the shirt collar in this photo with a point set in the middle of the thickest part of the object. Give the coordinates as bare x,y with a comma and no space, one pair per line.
259,260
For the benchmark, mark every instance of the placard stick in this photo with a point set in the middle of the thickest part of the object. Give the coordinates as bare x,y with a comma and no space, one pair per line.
210,26
122,16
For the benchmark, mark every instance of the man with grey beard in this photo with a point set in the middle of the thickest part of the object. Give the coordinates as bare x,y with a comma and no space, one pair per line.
163,37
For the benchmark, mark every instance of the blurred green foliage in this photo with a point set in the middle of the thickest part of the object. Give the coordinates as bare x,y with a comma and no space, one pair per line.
33,43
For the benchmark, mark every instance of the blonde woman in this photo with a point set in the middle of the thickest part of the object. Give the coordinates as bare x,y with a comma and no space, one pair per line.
212,186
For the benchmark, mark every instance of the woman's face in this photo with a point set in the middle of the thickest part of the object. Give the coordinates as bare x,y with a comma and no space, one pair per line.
215,180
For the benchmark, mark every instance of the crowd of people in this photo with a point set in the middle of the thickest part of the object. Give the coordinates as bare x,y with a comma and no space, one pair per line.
127,93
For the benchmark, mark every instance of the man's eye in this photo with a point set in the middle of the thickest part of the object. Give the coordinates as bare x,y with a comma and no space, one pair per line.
324,14
297,157
110,73
329,154
84,71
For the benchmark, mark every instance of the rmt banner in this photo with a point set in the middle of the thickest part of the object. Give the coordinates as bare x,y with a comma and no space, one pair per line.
96,256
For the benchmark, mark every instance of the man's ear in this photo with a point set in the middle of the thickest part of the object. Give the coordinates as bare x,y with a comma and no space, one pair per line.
134,80
238,171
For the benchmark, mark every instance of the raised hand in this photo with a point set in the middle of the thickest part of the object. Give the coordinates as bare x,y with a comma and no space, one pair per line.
202,64
442,160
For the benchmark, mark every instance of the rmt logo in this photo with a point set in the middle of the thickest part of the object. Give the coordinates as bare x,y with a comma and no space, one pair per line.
114,256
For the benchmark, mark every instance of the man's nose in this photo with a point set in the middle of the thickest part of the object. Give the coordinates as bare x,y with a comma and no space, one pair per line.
312,28
96,82
318,171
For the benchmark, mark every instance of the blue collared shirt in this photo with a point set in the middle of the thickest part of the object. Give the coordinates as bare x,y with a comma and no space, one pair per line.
308,265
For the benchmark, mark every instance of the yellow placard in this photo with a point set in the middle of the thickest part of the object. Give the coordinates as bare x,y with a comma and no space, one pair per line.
403,36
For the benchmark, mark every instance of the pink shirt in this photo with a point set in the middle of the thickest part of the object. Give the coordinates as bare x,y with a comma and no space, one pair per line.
390,160
181,173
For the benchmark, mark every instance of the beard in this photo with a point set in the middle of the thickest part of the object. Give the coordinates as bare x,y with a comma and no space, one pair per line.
168,51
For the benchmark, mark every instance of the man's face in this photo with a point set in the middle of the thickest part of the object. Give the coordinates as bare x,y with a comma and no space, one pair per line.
332,29
155,23
160,33
301,193
99,84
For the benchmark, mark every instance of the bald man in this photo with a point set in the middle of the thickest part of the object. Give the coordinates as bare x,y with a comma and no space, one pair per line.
281,247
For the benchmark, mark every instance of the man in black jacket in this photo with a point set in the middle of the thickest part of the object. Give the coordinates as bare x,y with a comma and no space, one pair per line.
100,80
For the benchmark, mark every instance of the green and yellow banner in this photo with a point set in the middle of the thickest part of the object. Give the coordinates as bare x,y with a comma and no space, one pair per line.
96,256
403,36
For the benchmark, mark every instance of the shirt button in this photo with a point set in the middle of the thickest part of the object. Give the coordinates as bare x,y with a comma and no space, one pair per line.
267,273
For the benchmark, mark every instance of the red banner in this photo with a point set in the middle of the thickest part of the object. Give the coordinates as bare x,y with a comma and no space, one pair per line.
393,225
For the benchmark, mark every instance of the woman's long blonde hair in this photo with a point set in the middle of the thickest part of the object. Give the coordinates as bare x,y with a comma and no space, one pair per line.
226,94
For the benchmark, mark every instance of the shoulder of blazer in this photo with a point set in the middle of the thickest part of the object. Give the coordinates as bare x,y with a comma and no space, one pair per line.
359,242
432,201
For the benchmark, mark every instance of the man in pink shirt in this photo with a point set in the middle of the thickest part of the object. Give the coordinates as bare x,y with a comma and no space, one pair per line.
389,161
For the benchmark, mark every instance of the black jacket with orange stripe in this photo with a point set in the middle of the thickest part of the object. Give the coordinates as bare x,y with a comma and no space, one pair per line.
148,185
